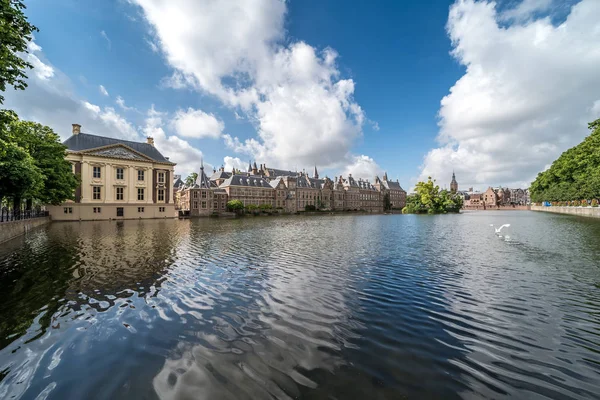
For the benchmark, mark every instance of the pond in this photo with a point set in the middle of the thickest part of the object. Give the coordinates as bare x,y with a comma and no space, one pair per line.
323,307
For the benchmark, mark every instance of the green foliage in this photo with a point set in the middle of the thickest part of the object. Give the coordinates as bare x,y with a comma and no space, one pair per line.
428,199
265,207
32,163
387,204
575,174
251,207
235,205
15,34
310,207
594,203
191,179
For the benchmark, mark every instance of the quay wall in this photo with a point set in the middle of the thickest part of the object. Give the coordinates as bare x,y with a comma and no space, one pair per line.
502,208
12,229
593,212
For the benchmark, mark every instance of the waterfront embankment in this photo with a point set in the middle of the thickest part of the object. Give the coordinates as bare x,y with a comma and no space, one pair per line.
12,229
593,212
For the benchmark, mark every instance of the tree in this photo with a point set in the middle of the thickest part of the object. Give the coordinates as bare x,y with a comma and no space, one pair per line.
310,207
387,204
235,205
15,35
429,199
32,163
574,175
191,179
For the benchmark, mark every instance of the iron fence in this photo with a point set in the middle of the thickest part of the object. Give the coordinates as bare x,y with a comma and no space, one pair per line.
7,215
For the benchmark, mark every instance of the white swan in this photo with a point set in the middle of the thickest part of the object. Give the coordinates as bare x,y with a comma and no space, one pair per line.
499,229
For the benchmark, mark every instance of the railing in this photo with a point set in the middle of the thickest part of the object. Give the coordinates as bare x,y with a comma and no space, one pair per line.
11,215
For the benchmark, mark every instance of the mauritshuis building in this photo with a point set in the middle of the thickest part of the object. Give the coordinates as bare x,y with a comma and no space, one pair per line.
120,179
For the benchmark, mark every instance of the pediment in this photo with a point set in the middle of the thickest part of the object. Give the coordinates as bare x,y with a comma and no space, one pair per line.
118,151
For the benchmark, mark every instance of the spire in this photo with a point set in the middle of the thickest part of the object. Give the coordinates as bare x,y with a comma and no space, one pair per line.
385,177
202,164
316,173
249,166
255,167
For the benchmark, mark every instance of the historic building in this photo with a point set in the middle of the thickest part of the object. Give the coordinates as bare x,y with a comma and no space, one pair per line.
393,189
289,191
453,184
120,179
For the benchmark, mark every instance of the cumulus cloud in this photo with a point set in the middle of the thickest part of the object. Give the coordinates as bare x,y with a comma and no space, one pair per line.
230,162
364,167
50,100
103,90
527,94
294,94
197,124
41,70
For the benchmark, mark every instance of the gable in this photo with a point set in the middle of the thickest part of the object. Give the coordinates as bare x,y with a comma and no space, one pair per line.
118,151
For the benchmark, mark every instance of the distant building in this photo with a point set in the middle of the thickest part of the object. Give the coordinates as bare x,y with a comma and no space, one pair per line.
453,184
120,179
395,191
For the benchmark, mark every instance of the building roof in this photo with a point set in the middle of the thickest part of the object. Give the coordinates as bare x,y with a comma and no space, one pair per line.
220,175
86,141
281,172
391,185
247,181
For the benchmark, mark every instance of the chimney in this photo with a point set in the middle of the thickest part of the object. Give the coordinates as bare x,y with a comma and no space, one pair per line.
76,129
150,140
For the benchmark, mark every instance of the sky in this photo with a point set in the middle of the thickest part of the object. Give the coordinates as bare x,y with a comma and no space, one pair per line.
494,91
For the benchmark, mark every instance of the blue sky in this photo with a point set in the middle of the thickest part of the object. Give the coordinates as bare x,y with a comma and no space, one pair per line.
355,87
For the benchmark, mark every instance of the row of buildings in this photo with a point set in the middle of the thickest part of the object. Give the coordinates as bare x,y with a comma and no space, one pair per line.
122,179
492,197
285,190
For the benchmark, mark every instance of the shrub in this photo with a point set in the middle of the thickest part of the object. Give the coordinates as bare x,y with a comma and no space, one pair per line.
265,207
575,203
584,203
310,207
251,207
235,205
594,203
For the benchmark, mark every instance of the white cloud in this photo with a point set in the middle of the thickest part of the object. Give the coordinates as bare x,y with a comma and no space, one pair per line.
180,151
523,99
197,124
230,162
363,167
121,103
294,94
40,69
103,90
105,36
525,9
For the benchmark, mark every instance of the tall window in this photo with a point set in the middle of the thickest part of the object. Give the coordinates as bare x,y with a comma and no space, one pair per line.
161,177
203,204
97,173
140,174
140,194
120,173
119,193
203,194
161,194
195,204
216,205
195,195
96,193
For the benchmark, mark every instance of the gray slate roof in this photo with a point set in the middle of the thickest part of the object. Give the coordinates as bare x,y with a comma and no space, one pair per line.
391,185
85,141
247,181
281,172
220,175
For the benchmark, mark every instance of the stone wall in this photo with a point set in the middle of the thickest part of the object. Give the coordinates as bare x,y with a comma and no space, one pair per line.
10,230
593,212
495,208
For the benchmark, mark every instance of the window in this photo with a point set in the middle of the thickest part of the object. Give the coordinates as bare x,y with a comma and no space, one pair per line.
140,194
216,205
119,193
203,204
140,174
161,177
119,211
96,193
222,205
140,209
203,194
161,194
195,195
96,210
195,204
97,173
161,209
120,173
68,210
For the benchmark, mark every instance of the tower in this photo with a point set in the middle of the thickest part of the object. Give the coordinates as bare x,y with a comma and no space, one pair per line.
453,184
316,174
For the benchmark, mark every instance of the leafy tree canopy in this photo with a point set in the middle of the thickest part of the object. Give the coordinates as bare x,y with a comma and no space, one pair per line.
429,199
574,175
15,34
191,179
235,205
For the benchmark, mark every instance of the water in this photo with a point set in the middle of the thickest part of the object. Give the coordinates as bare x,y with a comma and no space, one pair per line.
325,307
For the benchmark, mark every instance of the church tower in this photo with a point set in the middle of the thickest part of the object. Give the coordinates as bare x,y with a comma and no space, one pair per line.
453,184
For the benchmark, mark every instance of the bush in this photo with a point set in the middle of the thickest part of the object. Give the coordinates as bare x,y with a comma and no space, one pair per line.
265,207
235,205
594,203
584,203
310,207
251,207
575,203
